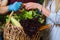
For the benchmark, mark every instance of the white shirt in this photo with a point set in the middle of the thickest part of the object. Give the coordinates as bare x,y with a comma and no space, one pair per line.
53,18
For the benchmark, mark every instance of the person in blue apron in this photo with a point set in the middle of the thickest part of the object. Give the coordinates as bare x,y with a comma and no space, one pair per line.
51,9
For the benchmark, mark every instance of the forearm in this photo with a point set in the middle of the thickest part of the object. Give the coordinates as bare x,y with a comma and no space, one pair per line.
45,11
51,16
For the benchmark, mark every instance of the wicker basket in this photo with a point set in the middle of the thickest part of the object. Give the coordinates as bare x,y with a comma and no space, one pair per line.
15,33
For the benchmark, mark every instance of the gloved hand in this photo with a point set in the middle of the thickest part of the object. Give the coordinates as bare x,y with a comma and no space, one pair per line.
15,6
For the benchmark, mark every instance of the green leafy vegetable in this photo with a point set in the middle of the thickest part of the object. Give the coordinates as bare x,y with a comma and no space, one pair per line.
15,22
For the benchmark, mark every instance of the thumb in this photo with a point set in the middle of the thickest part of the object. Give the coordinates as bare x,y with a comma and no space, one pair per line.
24,4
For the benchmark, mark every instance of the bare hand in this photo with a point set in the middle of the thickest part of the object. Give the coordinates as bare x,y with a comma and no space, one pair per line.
32,5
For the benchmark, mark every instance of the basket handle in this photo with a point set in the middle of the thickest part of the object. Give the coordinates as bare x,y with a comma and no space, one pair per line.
9,18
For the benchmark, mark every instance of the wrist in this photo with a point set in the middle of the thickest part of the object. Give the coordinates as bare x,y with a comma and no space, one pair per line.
10,8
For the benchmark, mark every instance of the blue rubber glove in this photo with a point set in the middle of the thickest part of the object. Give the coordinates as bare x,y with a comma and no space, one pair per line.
15,6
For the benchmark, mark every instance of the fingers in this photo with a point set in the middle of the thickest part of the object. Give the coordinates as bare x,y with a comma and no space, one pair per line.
28,6
24,4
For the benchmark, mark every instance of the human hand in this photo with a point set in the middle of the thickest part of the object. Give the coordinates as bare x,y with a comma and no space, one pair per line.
32,5
15,6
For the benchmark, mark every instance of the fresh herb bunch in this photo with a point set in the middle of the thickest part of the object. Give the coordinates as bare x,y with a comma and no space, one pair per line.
24,15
